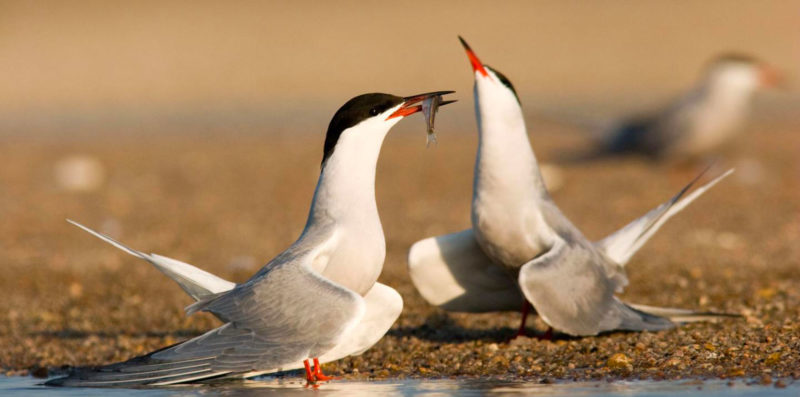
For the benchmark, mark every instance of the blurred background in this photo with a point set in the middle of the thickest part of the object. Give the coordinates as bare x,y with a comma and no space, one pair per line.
200,65
195,130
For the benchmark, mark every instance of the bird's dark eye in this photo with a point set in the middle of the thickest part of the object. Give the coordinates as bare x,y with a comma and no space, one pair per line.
374,112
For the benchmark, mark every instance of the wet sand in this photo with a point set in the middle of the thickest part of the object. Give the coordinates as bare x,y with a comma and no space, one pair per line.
227,201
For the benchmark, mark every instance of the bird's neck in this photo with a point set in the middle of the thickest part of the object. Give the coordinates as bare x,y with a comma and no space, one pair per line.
505,160
508,192
345,193
724,106
727,95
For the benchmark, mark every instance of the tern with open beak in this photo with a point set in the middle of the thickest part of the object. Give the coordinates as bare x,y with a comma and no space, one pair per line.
317,299
521,250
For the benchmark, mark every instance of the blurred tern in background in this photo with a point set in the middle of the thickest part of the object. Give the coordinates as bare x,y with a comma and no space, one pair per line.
701,120
522,250
318,300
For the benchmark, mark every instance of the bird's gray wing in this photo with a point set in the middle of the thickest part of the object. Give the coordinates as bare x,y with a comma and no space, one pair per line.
622,244
674,126
382,307
631,136
658,134
452,272
291,309
198,283
288,314
573,291
566,231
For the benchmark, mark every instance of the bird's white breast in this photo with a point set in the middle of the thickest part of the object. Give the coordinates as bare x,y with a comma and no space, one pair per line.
357,259
344,205
508,187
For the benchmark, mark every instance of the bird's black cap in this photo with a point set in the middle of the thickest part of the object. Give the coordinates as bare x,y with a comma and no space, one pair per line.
478,66
735,57
355,111
503,79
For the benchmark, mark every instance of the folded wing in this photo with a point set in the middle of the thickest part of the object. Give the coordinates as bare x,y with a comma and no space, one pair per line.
453,273
573,292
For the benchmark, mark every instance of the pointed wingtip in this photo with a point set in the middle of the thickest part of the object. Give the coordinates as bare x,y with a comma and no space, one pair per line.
709,167
622,244
56,382
682,316
714,181
80,226
698,177
111,241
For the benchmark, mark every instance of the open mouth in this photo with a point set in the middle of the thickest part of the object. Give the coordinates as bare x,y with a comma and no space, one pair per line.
412,104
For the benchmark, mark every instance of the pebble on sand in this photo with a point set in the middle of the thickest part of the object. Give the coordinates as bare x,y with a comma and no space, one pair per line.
620,362
79,173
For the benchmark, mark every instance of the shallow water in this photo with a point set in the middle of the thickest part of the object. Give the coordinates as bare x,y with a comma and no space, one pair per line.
27,386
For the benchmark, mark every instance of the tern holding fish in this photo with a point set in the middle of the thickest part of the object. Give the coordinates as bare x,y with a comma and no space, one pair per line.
318,299
522,251
429,108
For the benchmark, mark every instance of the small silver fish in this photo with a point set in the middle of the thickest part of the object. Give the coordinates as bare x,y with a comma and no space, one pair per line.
429,108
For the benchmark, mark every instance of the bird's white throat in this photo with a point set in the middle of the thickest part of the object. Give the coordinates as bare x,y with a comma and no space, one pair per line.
508,186
345,200
505,159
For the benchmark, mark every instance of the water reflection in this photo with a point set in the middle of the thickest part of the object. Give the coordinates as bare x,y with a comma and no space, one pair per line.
24,386
468,387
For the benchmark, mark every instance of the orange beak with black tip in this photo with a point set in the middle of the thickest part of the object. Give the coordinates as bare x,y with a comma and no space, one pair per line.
477,66
411,103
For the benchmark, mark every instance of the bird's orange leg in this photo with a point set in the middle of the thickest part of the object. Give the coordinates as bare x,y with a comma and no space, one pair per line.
318,372
309,375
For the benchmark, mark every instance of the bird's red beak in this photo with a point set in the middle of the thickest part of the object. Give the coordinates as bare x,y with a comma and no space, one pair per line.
477,66
771,77
410,106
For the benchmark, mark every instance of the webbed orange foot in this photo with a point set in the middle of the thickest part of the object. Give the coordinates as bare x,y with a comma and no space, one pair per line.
318,372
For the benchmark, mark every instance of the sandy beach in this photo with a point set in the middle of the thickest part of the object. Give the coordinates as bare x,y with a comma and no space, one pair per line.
196,133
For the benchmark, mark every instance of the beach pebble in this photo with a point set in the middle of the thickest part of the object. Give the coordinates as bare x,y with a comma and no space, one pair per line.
79,173
620,362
